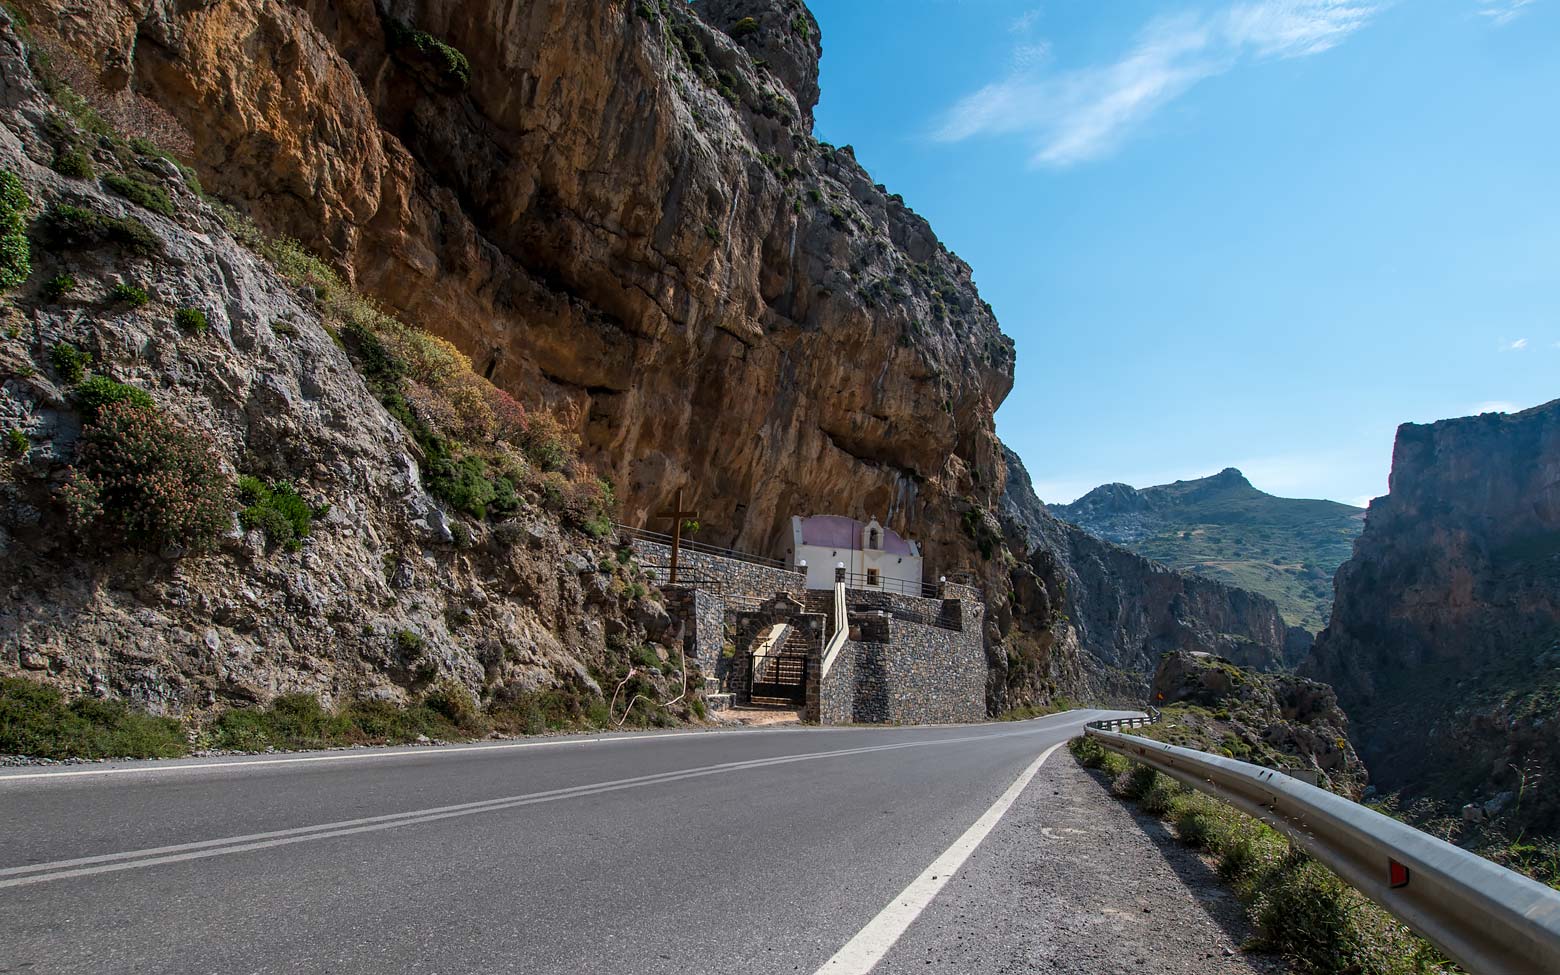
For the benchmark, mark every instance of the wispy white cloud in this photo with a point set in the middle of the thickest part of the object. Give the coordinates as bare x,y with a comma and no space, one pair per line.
1024,22
1295,28
1502,12
1516,345
1496,406
1027,56
1086,113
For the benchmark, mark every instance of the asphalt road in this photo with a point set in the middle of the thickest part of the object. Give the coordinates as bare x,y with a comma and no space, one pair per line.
743,852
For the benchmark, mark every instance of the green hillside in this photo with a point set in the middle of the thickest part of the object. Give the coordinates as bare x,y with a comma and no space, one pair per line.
1222,527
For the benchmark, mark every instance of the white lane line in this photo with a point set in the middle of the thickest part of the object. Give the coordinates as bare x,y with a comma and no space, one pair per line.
862,953
374,753
24,875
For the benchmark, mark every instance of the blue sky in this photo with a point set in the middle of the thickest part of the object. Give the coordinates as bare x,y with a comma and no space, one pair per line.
1258,233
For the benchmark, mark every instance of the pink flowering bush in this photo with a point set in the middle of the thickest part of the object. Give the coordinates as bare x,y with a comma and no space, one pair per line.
141,478
508,415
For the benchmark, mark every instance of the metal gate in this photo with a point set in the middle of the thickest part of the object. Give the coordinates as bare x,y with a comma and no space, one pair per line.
779,678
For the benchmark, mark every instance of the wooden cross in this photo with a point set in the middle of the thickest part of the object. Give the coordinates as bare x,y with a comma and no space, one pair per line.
677,514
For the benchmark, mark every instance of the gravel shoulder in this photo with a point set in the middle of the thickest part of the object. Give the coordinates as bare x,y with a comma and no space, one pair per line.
1074,881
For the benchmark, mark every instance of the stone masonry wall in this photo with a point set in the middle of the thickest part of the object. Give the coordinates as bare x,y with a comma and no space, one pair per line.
703,614
733,575
896,672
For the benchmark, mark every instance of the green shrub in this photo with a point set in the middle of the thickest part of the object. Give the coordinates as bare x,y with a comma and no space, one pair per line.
15,253
451,65
289,721
70,362
140,478
191,320
36,720
16,442
745,27
1135,782
1090,754
296,721
72,161
1321,925
141,193
58,287
93,394
1158,798
1201,821
381,722
277,510
64,227
456,705
570,707
468,486
128,294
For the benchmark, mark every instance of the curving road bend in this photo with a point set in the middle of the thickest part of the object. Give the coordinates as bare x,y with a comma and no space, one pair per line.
742,851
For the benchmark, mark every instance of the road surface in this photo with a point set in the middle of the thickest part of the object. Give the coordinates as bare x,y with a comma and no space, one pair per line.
746,852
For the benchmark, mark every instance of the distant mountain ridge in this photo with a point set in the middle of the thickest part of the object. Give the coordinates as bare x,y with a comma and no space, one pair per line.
1224,528
1119,612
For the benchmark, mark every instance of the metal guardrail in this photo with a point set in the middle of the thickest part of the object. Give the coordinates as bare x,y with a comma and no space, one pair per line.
1116,724
1490,920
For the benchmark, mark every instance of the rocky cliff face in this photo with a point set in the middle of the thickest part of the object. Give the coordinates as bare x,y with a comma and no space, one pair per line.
616,208
1443,640
390,594
1123,611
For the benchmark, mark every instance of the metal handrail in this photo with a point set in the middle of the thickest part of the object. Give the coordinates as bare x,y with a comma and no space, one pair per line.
1485,917
660,538
904,587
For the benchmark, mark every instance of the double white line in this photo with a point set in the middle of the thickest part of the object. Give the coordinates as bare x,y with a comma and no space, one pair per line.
38,873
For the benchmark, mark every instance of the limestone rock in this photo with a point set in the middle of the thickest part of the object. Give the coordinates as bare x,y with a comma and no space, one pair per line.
1277,720
623,215
1446,616
782,34
375,603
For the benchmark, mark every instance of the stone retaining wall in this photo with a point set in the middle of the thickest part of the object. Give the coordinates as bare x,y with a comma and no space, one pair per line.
704,616
732,575
897,672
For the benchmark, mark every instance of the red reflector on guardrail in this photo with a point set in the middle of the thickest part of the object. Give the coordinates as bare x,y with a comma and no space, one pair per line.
1397,874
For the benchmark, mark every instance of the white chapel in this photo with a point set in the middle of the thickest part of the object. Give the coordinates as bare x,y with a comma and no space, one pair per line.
874,557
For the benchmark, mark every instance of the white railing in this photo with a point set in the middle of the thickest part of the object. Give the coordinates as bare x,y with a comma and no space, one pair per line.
1486,918
840,634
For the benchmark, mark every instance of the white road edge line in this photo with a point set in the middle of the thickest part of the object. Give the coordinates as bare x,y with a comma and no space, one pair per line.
862,953
385,755
349,756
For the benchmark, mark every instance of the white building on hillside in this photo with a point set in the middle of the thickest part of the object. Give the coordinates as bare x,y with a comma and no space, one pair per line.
874,557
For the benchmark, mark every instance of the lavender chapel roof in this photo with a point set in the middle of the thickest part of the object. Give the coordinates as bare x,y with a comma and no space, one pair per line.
837,531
